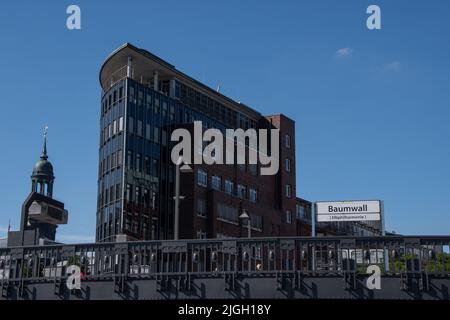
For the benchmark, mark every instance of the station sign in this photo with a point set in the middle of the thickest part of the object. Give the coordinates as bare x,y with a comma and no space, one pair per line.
335,211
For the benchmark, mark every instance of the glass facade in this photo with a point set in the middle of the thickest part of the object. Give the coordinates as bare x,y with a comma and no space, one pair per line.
136,176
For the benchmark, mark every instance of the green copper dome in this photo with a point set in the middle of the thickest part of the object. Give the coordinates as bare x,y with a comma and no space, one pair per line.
43,168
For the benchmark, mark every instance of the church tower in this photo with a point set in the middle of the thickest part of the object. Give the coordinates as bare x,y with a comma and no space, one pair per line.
41,214
42,178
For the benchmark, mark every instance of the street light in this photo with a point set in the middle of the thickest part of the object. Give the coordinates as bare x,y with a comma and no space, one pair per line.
244,216
185,169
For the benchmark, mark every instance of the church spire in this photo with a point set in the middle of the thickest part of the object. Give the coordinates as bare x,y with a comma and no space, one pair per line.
42,177
44,149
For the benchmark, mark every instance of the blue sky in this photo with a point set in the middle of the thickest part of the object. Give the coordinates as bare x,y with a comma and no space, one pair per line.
372,108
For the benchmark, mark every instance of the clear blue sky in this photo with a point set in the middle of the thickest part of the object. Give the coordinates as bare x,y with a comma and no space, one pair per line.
372,108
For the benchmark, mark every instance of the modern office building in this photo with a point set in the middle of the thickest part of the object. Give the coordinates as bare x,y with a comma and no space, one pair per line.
144,99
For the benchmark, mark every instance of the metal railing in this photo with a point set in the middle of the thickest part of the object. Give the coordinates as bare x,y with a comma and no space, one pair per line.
218,257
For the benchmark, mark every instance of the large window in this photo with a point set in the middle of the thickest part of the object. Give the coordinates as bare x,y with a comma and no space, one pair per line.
256,221
303,213
128,195
287,141
130,125
229,186
138,162
288,216
252,195
300,212
156,134
147,165
227,213
130,159
288,191
201,207
147,132
119,157
139,128
216,182
120,124
114,127
287,164
241,191
202,178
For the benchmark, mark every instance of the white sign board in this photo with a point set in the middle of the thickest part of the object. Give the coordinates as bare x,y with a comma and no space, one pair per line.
335,211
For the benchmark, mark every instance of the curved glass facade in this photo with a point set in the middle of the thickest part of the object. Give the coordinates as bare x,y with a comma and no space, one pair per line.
135,181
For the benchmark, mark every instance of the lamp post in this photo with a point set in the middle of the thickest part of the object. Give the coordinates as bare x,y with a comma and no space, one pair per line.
245,217
185,169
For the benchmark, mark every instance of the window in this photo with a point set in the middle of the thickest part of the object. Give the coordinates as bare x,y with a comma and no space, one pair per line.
113,160
164,137
300,211
156,134
156,107
130,159
252,195
288,191
120,124
138,162
155,167
201,207
253,169
229,186
287,141
256,221
241,191
227,213
216,182
201,234
287,164
128,195
119,157
288,216
137,198
139,128
130,125
114,127
147,132
147,165
202,178
118,196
